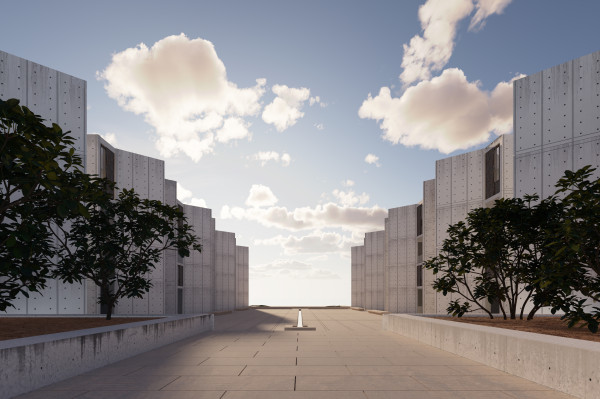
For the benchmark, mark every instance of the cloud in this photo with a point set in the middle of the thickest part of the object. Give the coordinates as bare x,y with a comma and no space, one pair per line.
485,8
317,100
284,111
315,242
111,138
348,183
266,156
319,126
329,215
432,50
371,158
290,268
447,113
187,197
180,86
349,198
261,196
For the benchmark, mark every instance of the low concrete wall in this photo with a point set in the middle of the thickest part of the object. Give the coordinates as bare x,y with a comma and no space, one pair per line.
30,363
568,365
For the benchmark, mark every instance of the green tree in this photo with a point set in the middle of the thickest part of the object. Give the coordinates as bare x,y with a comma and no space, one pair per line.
42,183
497,256
120,243
575,266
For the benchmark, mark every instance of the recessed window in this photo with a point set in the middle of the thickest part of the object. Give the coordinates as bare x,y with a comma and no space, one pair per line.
419,276
419,220
107,167
492,172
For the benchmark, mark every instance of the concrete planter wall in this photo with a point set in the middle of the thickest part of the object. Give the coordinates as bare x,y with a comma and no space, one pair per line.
567,365
30,363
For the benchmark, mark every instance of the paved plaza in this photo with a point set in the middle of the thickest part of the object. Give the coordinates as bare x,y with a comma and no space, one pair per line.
249,355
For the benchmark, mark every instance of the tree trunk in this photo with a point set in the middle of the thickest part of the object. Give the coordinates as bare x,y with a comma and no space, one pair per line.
109,310
533,312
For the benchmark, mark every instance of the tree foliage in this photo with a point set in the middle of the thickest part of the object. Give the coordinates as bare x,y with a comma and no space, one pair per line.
497,255
41,183
575,268
120,243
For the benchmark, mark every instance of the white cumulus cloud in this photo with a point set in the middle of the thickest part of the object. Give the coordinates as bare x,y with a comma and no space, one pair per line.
446,113
371,159
180,86
272,156
285,110
350,198
261,196
291,268
315,242
329,215
110,138
432,50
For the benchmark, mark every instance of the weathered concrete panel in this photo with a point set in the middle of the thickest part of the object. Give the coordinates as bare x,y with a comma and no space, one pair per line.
587,153
459,178
72,108
557,104
586,101
443,178
475,175
13,78
528,174
556,161
528,112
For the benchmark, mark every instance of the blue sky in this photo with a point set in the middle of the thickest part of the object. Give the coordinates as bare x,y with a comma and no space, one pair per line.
290,178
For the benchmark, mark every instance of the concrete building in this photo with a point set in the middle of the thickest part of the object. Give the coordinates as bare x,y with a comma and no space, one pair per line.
58,98
556,124
241,273
415,233
178,285
401,274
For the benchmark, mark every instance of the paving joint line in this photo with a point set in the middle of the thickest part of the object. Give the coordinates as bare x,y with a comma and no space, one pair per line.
169,383
242,370
223,394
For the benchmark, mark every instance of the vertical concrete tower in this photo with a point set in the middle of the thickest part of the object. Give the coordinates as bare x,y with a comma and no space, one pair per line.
58,98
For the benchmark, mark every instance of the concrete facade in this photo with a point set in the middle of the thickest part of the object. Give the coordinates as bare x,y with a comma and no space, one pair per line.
241,274
415,233
401,260
58,98
358,276
556,124
374,270
225,271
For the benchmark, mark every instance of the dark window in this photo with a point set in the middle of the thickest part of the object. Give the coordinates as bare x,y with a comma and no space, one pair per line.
180,226
419,220
107,166
419,276
180,275
492,172
420,298
104,293
419,248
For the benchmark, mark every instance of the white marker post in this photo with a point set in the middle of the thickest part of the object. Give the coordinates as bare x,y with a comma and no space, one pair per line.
299,318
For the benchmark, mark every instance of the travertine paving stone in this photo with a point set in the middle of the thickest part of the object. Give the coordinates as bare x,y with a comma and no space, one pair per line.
249,355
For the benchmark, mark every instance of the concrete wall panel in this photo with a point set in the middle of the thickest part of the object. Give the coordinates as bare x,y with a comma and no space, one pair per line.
140,174
528,112
443,173
444,219
45,301
459,212
588,153
528,174
42,92
557,104
71,108
71,298
156,179
140,305
459,178
556,161
586,104
13,77
156,299
475,175
124,172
